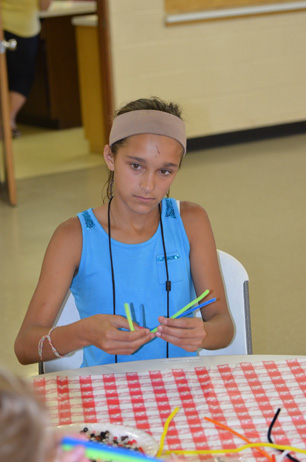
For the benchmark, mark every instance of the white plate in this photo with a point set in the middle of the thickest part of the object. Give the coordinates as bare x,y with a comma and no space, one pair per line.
143,439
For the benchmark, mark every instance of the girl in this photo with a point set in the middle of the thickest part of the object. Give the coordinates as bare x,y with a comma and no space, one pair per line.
141,248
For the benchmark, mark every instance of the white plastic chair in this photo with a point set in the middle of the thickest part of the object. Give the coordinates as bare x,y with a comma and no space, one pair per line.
235,280
236,285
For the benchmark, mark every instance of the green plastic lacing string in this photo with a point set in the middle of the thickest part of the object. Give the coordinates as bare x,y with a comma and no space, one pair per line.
193,302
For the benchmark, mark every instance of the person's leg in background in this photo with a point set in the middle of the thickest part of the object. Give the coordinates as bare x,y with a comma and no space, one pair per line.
17,100
21,71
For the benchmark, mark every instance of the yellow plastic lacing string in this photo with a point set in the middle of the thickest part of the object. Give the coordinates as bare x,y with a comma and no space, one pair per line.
241,448
223,450
165,430
225,427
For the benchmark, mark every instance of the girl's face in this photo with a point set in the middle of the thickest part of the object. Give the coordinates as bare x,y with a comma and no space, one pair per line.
144,169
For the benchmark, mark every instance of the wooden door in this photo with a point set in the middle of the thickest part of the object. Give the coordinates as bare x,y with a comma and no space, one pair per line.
7,178
107,81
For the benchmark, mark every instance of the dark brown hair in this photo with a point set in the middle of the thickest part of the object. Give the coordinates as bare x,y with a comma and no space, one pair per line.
153,103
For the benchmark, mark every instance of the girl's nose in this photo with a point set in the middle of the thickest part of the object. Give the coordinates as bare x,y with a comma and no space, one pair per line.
147,183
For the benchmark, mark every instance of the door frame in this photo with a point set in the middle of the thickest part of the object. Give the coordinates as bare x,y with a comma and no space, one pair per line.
6,127
107,84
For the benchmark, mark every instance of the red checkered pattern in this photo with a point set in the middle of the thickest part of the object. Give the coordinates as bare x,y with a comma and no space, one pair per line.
244,397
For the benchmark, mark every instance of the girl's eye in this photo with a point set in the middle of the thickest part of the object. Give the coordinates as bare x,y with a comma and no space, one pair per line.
165,172
135,166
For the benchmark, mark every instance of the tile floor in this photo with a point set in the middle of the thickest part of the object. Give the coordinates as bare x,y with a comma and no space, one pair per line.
255,196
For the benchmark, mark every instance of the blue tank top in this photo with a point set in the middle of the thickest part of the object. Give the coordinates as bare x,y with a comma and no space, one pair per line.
140,280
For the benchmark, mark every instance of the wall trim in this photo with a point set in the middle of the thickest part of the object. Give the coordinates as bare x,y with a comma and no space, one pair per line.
224,13
245,136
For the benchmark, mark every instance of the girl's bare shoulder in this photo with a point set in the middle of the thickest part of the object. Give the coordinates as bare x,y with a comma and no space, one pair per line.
65,246
192,211
195,220
69,228
67,237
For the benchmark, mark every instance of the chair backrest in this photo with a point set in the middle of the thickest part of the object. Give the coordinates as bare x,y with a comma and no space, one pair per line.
67,314
235,280
236,285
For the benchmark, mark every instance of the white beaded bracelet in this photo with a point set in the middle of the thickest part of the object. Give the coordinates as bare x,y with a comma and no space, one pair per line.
41,344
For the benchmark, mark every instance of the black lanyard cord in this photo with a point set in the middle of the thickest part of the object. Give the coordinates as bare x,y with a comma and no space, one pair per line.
111,261
168,282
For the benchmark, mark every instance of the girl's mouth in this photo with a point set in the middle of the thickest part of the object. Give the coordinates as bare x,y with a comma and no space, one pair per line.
144,199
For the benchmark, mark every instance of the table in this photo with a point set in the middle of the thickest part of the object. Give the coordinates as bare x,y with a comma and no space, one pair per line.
242,392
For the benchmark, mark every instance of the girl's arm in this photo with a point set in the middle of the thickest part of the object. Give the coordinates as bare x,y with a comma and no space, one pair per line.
206,275
59,266
217,329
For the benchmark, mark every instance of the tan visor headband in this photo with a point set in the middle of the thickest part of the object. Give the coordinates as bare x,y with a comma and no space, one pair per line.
148,121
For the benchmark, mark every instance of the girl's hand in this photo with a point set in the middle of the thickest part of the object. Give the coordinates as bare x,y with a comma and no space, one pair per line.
187,333
104,331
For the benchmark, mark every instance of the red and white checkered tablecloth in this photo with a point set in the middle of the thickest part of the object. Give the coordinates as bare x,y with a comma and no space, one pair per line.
245,397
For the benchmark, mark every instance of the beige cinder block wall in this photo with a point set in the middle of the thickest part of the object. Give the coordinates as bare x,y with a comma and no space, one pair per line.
232,75
229,75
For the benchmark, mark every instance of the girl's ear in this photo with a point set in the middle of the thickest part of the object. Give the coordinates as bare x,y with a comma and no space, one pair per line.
109,157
